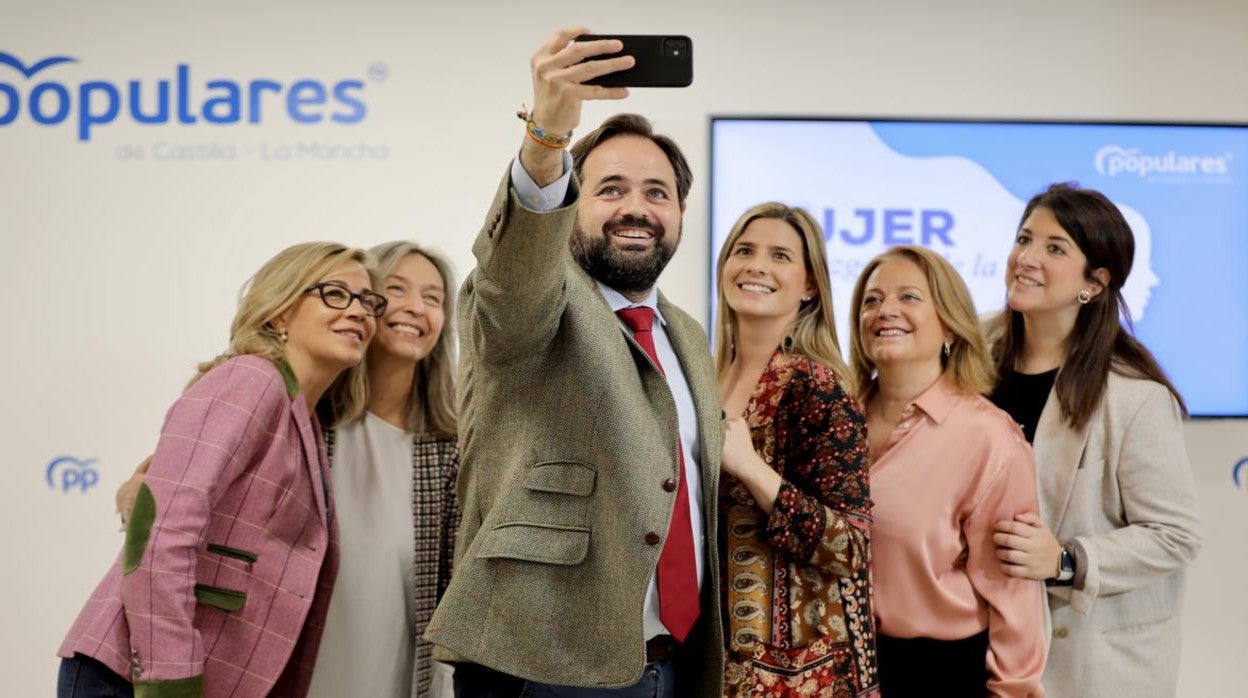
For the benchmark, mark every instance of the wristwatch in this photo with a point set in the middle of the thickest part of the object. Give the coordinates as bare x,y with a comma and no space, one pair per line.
1065,568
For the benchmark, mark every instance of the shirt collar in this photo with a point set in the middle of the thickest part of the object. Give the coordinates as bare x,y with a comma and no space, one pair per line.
618,302
938,400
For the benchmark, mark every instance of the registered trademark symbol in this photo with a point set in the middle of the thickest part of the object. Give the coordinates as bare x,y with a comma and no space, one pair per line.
378,72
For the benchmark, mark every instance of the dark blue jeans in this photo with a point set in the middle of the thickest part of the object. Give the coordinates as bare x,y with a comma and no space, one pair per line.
83,677
658,680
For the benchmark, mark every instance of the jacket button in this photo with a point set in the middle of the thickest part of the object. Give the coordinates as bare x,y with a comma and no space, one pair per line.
652,538
669,485
1061,633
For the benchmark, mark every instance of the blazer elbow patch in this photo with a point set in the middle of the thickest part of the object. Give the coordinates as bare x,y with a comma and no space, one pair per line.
139,530
562,477
537,542
224,599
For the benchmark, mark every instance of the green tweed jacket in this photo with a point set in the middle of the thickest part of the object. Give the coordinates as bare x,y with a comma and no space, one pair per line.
567,433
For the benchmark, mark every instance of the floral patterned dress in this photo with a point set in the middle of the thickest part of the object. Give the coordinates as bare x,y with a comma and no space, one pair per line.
797,589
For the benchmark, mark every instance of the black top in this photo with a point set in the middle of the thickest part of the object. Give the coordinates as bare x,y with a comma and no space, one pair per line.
1023,395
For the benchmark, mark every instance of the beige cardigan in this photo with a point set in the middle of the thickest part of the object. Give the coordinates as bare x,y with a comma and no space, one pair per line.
1122,490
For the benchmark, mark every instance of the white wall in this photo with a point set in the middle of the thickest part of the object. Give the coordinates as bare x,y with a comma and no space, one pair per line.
117,276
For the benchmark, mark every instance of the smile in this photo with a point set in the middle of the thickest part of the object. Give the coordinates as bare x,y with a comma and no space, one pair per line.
633,234
755,288
891,332
1022,280
404,328
357,335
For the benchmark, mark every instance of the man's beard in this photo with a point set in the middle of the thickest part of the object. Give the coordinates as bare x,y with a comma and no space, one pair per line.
626,272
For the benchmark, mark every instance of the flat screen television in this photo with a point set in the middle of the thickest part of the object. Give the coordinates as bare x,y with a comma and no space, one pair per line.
959,187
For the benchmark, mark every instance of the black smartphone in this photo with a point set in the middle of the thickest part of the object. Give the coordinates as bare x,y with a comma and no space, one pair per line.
661,61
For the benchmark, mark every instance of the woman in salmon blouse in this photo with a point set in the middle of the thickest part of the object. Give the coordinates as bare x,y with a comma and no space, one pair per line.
946,465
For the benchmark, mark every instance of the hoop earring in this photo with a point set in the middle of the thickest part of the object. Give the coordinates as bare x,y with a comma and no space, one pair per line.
1084,296
788,342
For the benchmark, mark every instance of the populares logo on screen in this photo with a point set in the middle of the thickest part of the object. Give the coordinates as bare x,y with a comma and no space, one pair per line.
1113,160
32,90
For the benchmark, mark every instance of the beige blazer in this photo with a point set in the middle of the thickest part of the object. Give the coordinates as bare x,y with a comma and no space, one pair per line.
567,434
1122,490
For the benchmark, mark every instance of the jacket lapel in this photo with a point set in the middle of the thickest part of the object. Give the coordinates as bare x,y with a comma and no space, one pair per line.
699,371
313,452
1059,448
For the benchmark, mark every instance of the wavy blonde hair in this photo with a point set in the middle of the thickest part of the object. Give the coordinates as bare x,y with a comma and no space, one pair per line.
969,364
274,289
431,408
813,334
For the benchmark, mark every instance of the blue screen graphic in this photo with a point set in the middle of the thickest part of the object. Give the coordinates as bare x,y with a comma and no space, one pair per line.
960,188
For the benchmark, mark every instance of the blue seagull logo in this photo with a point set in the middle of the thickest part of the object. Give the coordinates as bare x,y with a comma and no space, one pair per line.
66,461
16,63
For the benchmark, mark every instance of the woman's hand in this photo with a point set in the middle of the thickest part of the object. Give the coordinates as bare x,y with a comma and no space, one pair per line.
124,499
1027,548
741,461
739,457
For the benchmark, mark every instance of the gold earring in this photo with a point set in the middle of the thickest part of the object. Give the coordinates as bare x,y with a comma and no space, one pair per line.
1084,296
947,347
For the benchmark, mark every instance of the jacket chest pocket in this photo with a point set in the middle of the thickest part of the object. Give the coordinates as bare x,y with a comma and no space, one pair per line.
547,519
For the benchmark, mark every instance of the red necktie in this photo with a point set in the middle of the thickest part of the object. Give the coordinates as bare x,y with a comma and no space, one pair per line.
677,571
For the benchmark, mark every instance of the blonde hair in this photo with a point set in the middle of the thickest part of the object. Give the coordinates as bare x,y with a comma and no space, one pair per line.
813,333
274,289
431,408
969,364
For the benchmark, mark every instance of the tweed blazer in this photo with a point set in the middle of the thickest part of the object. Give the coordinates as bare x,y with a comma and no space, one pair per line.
567,433
229,561
1122,490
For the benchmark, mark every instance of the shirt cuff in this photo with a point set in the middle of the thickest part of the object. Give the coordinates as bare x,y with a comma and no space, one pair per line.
541,199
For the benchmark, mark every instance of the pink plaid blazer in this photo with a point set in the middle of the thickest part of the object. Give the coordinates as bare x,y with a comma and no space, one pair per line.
223,582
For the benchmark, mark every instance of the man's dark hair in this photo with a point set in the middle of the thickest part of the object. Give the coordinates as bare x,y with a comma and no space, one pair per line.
635,125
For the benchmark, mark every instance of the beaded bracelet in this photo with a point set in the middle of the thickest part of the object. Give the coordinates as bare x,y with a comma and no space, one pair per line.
542,137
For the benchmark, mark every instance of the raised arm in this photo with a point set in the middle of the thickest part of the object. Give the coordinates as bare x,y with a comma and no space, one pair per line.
513,299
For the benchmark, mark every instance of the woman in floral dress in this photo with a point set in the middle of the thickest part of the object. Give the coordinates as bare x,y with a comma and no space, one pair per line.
794,500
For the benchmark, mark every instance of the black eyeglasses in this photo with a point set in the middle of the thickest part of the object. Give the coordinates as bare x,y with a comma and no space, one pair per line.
339,297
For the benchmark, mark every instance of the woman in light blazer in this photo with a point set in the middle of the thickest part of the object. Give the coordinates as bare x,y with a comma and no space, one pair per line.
1118,522
230,556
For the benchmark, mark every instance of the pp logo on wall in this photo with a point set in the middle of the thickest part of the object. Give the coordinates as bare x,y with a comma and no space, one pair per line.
46,91
72,474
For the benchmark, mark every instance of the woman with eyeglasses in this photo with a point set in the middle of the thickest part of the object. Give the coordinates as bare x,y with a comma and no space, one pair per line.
395,467
230,557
